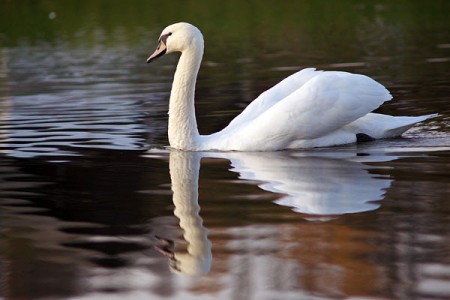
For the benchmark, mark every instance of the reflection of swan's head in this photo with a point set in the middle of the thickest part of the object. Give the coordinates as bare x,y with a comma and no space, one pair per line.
185,263
195,262
178,37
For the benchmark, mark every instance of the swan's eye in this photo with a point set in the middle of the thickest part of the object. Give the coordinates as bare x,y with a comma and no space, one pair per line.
164,37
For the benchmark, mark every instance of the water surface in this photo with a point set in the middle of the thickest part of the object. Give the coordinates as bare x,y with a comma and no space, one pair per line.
93,205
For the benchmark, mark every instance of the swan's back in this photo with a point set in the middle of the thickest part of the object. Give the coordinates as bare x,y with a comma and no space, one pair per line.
272,96
306,106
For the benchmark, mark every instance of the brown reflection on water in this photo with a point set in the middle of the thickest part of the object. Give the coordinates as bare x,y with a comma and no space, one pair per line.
319,259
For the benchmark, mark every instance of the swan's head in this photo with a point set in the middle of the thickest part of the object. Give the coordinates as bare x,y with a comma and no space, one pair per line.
178,37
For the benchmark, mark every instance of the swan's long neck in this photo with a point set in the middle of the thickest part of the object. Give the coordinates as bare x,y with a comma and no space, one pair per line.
183,132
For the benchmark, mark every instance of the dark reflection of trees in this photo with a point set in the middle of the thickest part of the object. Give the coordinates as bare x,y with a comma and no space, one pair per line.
50,212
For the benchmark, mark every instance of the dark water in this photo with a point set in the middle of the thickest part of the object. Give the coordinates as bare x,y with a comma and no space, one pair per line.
93,206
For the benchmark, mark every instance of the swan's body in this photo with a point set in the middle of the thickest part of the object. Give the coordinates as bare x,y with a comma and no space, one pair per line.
308,109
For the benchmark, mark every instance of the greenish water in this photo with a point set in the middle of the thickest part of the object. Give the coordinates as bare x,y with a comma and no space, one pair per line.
93,206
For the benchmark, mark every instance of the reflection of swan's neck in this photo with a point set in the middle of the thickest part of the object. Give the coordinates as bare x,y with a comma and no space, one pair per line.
184,171
183,132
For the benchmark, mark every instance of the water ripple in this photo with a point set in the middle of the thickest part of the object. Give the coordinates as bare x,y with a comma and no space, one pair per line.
58,108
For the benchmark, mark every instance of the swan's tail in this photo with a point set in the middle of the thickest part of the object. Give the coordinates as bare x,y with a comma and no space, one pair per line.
383,126
405,123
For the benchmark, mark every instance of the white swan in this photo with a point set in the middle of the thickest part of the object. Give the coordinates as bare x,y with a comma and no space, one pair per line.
308,109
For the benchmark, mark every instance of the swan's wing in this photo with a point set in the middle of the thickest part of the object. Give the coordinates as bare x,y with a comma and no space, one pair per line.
322,105
272,96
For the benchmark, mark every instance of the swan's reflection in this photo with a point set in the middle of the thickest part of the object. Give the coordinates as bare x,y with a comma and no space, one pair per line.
184,173
323,184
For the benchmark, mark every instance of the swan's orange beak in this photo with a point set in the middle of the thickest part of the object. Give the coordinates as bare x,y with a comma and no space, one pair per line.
162,47
160,51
